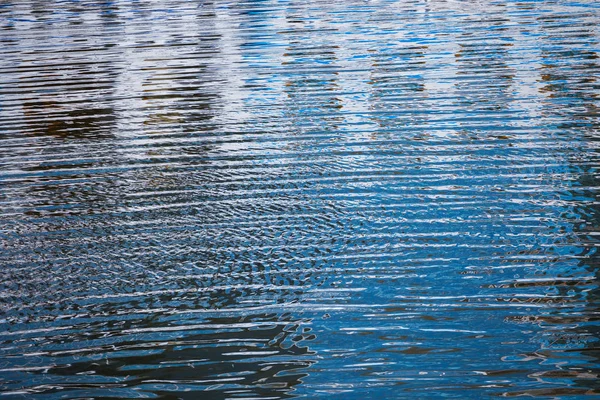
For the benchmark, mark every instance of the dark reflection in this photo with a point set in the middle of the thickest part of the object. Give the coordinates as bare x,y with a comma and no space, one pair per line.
259,355
570,335
585,337
253,355
582,341
47,118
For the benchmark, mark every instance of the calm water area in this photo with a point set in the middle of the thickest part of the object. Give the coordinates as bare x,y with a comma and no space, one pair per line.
270,199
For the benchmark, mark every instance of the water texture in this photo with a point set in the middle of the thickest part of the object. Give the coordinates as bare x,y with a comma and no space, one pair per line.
323,199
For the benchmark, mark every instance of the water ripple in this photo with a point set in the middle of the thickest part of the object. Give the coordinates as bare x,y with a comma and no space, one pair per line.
275,199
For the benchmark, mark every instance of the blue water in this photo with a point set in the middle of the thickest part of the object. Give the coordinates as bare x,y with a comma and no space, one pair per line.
276,199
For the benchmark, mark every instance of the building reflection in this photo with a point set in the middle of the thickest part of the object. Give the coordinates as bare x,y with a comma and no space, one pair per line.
61,96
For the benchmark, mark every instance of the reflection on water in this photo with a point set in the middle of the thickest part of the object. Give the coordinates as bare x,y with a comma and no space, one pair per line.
273,199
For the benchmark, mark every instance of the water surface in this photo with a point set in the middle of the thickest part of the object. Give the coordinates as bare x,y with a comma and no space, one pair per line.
275,199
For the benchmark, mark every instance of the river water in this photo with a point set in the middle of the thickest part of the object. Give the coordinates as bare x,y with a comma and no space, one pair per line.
319,199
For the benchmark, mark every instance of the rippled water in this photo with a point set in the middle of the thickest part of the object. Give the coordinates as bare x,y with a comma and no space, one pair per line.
269,199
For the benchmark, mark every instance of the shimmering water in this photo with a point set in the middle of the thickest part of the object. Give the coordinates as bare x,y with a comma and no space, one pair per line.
270,199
